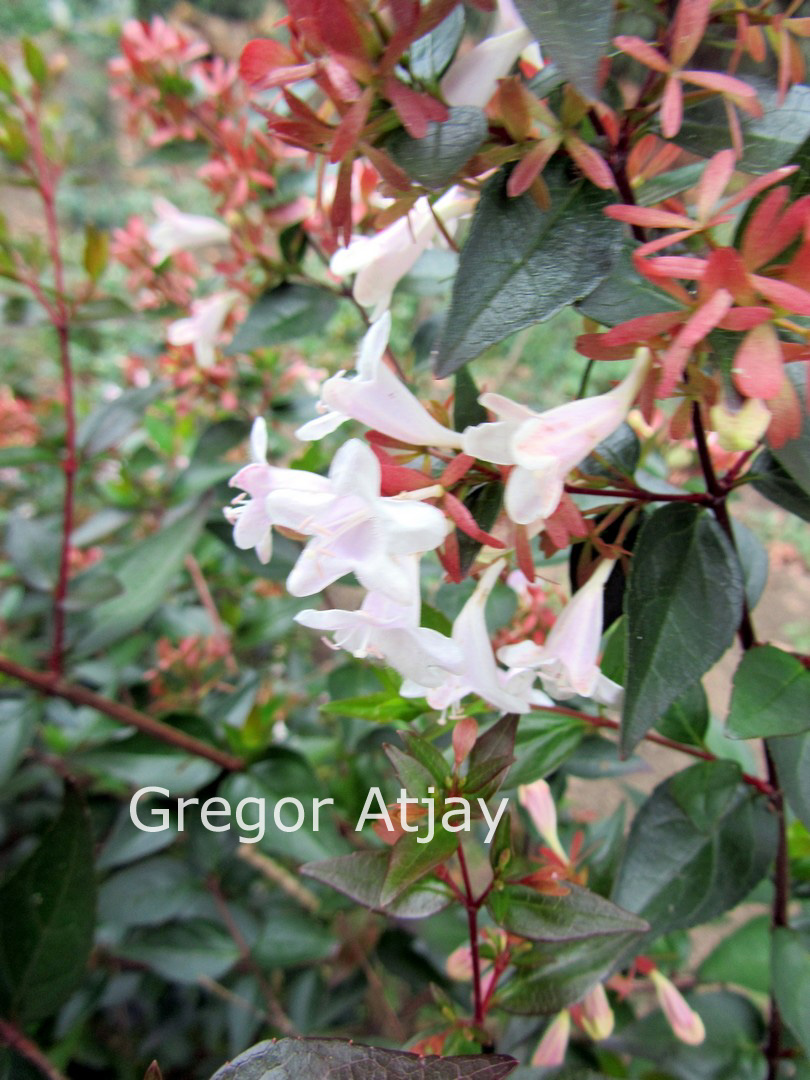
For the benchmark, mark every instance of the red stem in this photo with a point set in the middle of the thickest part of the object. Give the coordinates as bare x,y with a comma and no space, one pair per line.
638,494
11,1035
472,925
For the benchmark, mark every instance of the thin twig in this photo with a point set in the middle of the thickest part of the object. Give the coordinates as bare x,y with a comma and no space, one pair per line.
207,601
53,686
640,495
472,926
11,1035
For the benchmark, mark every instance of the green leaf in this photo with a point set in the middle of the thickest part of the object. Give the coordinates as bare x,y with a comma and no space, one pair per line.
574,33
754,562
577,915
618,454
496,743
13,457
623,295
145,573
17,727
361,877
32,545
467,410
743,958
151,892
697,847
429,55
328,1059
283,314
794,455
791,755
771,695
434,160
791,982
290,937
414,777
520,265
551,978
96,251
34,61
381,707
182,952
411,860
687,718
683,607
428,755
773,481
543,743
767,141
109,424
667,184
47,916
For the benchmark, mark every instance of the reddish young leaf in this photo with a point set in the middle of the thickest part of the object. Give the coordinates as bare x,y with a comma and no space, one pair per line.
758,370
528,168
350,127
643,328
459,513
648,216
701,323
787,415
724,269
742,93
688,27
415,110
714,182
590,161
458,467
643,52
672,108
783,294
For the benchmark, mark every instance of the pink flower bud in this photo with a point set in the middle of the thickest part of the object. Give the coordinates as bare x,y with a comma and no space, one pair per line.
538,801
597,1015
459,964
683,1020
464,735
552,1047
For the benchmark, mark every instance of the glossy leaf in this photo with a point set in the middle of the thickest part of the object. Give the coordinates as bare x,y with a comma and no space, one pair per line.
577,915
697,847
791,755
743,958
794,455
361,876
284,314
683,606
328,1059
773,481
411,860
544,742
624,295
113,421
436,158
791,982
771,695
576,35
521,265
47,914
182,952
687,718
428,56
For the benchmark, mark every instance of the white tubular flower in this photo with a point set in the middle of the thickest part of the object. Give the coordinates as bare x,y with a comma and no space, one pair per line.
472,77
380,261
390,631
202,328
544,447
683,1019
252,524
509,691
597,1015
539,803
568,661
378,399
552,1047
355,529
178,231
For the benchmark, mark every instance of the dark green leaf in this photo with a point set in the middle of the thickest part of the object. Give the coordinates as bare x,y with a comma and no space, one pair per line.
623,295
791,982
429,55
775,483
467,410
411,860
521,265
361,877
425,752
47,916
109,424
696,848
291,937
283,314
32,545
743,958
767,142
574,33
543,743
497,742
182,953
153,891
667,184
434,160
683,606
791,755
329,1059
13,457
687,718
597,758
145,573
484,503
771,695
551,978
753,562
579,914
415,778
17,726
618,454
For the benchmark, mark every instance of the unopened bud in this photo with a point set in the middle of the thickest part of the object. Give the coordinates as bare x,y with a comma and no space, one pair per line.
597,1015
683,1019
464,735
539,802
552,1047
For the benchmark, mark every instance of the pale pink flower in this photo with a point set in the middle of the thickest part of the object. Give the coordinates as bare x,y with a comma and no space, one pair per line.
683,1019
473,76
390,631
203,327
545,447
381,260
568,661
539,803
459,965
378,399
252,524
597,1016
354,529
552,1047
177,231
509,691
